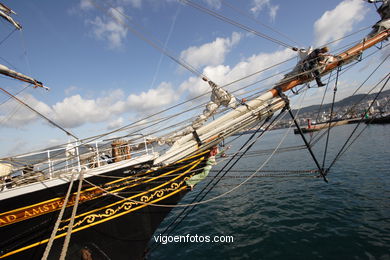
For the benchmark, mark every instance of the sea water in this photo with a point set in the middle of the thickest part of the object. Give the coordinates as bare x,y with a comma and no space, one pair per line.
296,217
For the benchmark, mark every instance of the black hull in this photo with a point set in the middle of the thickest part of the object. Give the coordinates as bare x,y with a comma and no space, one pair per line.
106,226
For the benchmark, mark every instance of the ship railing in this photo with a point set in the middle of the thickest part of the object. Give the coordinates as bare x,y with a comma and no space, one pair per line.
55,162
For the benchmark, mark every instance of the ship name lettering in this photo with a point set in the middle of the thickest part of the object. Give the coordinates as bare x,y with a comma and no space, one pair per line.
42,209
7,219
39,210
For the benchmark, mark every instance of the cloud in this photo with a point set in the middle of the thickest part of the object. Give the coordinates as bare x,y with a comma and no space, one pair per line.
71,89
75,111
21,115
133,3
214,3
259,5
338,22
212,53
273,11
153,99
114,124
222,74
86,5
110,28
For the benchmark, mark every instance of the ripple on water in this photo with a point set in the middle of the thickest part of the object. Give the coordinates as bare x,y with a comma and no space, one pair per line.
299,218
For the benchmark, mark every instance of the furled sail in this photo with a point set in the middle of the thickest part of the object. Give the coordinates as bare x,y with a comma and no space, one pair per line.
219,97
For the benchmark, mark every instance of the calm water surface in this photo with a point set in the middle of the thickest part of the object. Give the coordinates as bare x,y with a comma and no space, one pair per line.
297,217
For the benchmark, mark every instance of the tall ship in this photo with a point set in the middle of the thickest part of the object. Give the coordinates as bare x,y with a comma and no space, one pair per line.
103,197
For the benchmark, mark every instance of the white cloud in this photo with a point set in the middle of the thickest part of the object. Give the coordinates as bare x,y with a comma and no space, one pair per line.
14,114
221,74
114,124
70,89
212,53
75,111
259,5
214,3
153,99
338,22
133,3
86,5
273,11
110,28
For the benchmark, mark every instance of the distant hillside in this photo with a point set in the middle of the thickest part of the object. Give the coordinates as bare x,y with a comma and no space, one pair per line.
349,101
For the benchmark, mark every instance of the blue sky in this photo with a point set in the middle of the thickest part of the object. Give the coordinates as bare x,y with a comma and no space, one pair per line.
103,76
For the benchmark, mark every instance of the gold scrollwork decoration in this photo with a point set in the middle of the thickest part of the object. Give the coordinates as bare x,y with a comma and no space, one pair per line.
126,205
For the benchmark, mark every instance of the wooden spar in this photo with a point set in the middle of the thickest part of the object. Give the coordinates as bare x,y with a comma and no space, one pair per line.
19,76
340,59
35,83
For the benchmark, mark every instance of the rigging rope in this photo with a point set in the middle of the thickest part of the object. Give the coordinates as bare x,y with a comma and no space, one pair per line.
40,114
200,202
165,45
321,170
358,135
357,125
136,123
57,224
237,24
146,39
236,187
320,135
71,222
190,100
322,101
10,98
23,40
240,11
348,35
94,138
331,116
5,38
214,177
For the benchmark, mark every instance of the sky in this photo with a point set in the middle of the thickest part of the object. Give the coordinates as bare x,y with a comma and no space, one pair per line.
97,57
